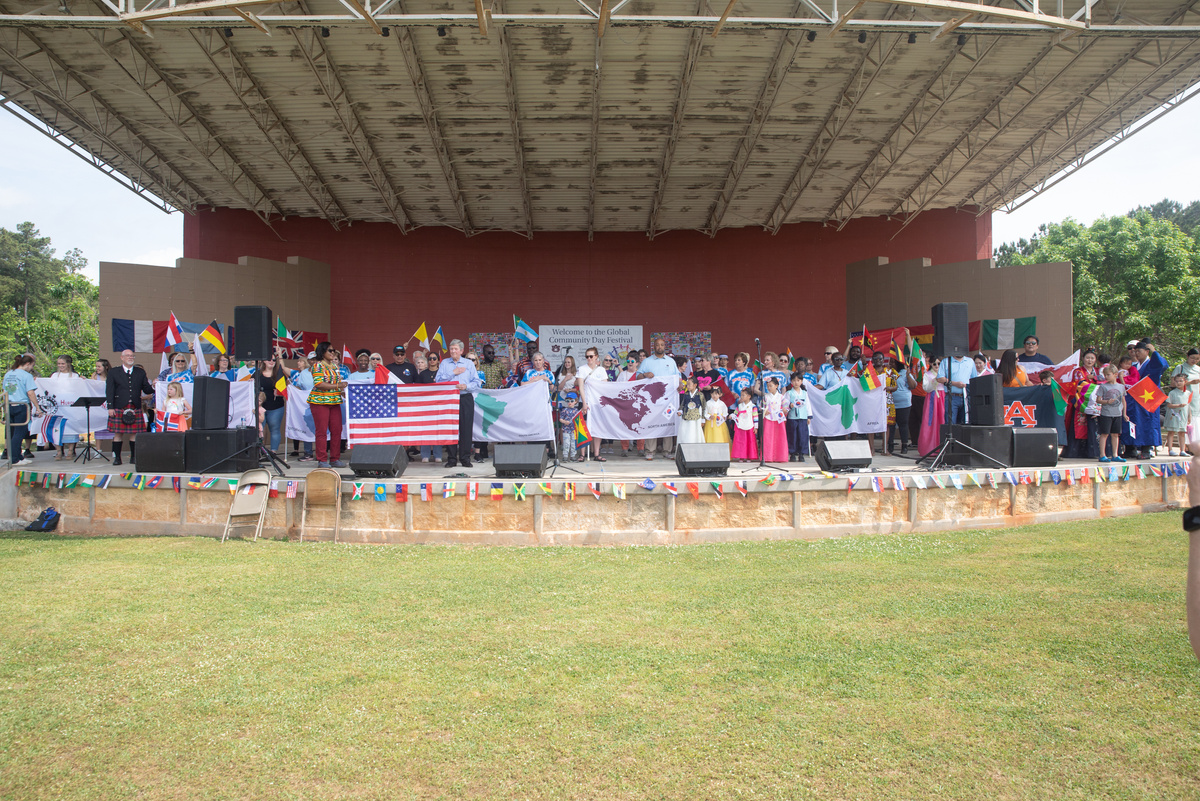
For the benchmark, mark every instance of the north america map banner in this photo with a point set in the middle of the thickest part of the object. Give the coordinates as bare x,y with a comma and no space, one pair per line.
632,409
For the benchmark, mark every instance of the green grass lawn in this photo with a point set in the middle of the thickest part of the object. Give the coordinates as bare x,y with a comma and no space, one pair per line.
1047,662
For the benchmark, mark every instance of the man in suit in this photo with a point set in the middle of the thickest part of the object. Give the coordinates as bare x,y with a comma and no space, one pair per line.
125,387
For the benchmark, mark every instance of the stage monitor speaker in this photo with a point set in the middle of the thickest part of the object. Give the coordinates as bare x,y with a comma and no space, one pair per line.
162,452
702,458
987,401
1032,447
214,451
210,403
993,441
378,460
950,334
253,334
520,460
843,454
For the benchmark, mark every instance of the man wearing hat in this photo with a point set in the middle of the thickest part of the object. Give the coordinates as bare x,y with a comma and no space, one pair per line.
404,370
1145,427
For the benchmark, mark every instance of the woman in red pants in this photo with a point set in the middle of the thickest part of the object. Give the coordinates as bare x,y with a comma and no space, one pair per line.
325,402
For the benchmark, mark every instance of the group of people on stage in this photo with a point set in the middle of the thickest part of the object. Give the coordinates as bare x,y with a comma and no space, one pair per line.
771,403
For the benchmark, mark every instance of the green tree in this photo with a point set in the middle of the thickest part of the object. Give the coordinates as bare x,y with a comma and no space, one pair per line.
1134,276
47,306
1187,218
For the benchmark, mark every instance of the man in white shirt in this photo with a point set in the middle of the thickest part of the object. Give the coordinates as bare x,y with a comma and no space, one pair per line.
956,374
659,365
591,372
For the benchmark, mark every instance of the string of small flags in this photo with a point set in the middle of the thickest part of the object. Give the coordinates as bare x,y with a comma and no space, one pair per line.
518,491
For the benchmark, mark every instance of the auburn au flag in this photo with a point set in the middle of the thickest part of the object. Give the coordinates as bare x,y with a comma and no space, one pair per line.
1032,407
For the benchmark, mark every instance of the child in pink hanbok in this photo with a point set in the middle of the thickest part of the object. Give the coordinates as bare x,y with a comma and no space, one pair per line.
745,428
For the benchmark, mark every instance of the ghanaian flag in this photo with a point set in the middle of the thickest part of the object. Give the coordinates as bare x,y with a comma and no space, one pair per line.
870,379
212,335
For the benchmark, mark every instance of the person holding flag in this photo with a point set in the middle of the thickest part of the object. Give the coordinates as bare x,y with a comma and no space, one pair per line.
1144,423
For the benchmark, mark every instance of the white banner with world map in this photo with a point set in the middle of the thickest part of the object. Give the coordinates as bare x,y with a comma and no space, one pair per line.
632,409
514,415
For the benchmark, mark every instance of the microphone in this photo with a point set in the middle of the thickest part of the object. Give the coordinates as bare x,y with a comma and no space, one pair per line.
756,342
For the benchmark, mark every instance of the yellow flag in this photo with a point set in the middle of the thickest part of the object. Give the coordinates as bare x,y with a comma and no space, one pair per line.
437,336
422,336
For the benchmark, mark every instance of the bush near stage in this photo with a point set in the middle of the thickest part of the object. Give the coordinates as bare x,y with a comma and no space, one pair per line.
1034,663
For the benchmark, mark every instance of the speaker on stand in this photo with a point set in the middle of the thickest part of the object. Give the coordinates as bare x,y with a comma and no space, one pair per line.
253,341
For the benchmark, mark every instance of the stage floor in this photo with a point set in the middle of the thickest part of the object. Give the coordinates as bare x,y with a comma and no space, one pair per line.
617,468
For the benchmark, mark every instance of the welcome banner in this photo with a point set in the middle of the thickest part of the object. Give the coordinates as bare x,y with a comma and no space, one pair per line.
847,409
632,409
514,415
555,339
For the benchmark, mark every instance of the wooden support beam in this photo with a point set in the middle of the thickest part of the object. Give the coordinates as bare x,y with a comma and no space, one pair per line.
481,13
358,8
253,20
725,16
192,8
950,26
604,6
842,20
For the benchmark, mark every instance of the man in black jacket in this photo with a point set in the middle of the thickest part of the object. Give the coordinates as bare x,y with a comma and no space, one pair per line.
125,387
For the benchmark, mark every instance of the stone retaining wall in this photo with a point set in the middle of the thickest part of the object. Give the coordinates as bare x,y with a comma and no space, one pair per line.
789,510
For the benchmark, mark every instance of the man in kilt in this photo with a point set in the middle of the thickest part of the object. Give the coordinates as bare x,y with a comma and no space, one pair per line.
125,387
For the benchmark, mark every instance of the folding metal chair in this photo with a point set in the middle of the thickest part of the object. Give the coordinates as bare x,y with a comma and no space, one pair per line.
323,487
253,490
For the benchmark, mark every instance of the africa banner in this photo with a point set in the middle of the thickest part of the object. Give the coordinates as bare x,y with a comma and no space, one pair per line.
514,415
632,409
847,409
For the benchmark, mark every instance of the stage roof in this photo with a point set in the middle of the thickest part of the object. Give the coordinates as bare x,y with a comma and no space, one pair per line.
594,115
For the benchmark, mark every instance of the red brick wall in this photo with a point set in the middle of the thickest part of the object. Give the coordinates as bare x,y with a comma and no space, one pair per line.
787,289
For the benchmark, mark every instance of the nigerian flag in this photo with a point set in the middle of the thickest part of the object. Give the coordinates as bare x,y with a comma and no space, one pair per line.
1007,333
514,415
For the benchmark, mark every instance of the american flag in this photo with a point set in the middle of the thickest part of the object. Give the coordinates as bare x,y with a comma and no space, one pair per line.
405,414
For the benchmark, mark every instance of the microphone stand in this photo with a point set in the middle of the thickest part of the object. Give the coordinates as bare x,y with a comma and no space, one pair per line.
762,420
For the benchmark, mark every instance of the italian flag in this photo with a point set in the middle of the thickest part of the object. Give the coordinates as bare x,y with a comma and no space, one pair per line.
1007,333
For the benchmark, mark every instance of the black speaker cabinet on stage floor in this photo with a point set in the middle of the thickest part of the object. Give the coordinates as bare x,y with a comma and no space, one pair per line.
161,452
702,458
843,454
520,460
252,332
1032,447
993,441
210,403
950,334
378,460
213,451
987,401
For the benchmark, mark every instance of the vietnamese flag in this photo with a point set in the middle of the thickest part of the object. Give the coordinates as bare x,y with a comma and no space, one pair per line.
1147,395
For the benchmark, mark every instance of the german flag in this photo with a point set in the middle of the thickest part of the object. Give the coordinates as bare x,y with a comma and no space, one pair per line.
212,335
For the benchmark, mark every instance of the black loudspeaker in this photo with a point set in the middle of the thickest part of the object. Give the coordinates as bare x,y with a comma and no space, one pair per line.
993,441
160,453
254,333
950,334
843,454
987,400
210,403
213,451
520,461
1031,447
702,458
378,460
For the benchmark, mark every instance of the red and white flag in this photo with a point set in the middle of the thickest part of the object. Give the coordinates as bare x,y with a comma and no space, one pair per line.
403,414
348,359
174,332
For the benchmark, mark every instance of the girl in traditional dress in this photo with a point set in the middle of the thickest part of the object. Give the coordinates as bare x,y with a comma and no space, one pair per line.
774,432
745,421
690,427
715,415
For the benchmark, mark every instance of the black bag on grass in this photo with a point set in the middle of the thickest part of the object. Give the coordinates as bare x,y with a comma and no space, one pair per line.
47,520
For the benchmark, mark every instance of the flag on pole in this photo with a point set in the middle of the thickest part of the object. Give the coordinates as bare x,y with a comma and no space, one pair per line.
582,435
870,379
348,359
1146,394
439,338
422,336
1007,333
523,331
174,332
212,335
201,367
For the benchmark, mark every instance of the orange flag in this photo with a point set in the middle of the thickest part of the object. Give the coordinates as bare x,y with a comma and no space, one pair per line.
1147,395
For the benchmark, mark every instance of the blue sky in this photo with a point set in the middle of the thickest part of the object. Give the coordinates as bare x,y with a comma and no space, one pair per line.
77,206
